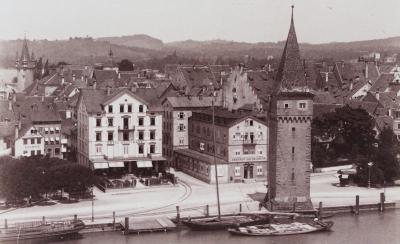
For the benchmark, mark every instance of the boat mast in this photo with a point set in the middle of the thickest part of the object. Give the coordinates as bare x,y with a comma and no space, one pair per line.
215,162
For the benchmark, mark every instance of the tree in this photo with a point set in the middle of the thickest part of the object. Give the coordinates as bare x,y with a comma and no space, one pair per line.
350,132
125,65
386,156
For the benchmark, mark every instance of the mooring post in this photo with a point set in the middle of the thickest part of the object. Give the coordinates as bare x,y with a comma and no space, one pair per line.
240,208
357,211
382,202
5,224
113,220
43,220
320,211
126,227
178,215
207,210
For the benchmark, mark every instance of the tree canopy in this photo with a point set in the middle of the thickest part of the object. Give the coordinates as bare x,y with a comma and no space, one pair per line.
34,176
350,134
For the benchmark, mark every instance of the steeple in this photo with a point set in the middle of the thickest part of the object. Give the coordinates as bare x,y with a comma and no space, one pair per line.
25,51
291,72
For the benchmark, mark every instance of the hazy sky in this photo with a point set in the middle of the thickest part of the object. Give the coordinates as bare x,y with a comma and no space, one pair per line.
171,20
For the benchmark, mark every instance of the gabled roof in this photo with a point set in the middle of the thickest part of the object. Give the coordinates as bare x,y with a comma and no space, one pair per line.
382,83
189,102
291,73
383,122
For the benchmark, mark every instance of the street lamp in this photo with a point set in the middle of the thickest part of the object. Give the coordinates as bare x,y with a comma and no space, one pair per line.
370,164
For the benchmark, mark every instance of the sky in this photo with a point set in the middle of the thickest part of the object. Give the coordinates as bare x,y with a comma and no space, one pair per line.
316,21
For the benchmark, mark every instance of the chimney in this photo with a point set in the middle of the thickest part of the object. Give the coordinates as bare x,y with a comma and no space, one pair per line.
366,70
377,95
351,86
119,75
62,80
326,77
67,114
133,89
94,85
108,90
9,105
73,77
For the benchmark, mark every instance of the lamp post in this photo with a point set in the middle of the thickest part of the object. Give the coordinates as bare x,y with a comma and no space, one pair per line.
370,164
92,206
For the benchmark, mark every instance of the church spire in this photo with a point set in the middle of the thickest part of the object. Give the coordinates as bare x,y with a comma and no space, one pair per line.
291,73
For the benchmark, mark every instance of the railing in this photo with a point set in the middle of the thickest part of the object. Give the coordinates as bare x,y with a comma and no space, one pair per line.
249,141
126,128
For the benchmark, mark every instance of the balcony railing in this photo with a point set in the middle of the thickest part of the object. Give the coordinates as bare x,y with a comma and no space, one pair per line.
249,141
126,128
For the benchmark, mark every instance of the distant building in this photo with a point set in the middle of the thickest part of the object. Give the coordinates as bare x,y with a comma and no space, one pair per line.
240,150
26,67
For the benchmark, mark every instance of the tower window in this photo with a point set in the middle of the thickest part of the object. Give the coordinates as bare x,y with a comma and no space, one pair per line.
302,105
292,153
293,129
286,105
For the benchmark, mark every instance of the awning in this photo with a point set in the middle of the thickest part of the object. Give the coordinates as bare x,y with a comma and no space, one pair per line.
46,129
116,164
100,165
51,129
144,164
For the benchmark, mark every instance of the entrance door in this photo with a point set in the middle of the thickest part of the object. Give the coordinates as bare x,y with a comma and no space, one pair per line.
248,171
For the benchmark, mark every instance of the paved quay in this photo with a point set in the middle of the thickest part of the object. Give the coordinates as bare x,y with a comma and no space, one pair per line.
192,195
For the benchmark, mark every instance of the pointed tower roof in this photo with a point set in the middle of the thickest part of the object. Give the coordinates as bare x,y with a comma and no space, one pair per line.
291,72
25,51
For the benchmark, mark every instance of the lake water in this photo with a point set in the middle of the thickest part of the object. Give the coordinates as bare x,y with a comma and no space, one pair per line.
366,228
7,75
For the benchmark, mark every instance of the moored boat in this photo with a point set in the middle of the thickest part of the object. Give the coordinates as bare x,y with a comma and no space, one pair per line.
40,230
224,222
278,229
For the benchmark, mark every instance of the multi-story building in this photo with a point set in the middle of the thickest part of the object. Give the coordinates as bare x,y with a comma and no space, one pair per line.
118,132
28,141
177,111
241,145
41,113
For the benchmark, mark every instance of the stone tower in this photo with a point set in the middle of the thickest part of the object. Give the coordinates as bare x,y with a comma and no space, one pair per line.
25,65
290,116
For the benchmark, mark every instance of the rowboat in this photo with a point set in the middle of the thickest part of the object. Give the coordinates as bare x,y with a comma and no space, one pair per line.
225,222
41,230
278,229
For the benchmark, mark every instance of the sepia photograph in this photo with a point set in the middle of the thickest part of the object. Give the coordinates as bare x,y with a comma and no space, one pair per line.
200,121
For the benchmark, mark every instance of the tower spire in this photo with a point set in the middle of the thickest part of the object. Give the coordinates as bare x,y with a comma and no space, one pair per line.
291,70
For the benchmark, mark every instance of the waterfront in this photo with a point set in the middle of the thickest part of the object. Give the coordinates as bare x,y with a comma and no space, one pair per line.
369,227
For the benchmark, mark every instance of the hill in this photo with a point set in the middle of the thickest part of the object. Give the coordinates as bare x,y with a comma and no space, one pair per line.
141,41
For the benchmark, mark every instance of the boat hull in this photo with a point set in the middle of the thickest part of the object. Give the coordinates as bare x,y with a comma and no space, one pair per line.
318,226
225,222
47,234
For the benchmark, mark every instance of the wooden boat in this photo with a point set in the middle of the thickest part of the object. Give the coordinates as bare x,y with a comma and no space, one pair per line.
40,230
292,228
225,222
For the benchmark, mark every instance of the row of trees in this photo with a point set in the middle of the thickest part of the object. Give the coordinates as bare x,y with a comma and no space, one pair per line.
348,133
34,177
